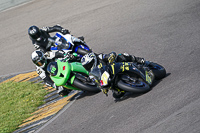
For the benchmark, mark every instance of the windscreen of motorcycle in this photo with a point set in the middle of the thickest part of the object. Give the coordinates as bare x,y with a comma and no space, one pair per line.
62,44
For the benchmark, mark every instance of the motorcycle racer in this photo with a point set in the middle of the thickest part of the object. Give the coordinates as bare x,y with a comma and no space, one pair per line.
40,37
42,60
92,60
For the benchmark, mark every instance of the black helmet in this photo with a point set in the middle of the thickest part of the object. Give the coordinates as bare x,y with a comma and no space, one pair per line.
34,32
39,59
89,61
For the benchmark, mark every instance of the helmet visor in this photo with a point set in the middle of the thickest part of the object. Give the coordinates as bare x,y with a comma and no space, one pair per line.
36,35
39,61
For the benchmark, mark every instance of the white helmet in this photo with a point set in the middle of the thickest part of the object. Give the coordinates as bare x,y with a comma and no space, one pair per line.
89,61
39,59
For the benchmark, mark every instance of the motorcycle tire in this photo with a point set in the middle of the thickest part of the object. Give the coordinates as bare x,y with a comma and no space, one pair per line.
85,87
158,70
140,87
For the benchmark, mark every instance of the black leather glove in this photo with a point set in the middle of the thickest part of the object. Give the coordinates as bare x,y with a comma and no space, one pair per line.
61,29
140,60
71,56
64,31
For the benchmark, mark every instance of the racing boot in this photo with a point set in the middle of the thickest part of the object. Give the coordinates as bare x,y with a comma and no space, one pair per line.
62,91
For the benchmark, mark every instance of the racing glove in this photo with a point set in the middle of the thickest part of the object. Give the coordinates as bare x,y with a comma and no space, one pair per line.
65,31
110,58
61,29
140,60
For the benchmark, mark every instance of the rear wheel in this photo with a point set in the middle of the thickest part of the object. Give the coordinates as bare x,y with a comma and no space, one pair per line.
133,84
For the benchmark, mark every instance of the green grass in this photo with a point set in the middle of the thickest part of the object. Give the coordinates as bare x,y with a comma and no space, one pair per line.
17,101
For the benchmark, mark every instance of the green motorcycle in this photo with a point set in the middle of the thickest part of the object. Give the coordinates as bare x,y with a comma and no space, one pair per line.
71,76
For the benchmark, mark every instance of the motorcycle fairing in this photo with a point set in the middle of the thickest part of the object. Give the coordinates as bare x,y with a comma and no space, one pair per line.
63,73
77,67
125,67
66,37
83,47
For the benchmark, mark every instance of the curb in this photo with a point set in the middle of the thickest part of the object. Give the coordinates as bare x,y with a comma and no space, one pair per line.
53,102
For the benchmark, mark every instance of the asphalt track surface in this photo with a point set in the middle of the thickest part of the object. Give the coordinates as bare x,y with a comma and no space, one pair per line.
163,31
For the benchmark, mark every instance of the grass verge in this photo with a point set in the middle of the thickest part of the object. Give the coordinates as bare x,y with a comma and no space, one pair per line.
17,101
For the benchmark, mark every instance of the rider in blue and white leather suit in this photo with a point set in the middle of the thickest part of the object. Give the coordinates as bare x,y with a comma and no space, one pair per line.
40,37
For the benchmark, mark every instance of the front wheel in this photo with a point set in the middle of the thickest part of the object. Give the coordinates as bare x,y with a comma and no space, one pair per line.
133,84
158,70
90,86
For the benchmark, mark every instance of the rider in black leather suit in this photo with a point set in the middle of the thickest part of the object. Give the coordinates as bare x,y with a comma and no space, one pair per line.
40,37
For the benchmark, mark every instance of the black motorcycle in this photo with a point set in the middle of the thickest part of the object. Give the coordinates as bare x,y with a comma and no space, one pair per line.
122,77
